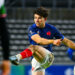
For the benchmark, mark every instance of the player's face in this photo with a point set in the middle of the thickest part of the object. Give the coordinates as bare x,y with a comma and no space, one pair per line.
39,21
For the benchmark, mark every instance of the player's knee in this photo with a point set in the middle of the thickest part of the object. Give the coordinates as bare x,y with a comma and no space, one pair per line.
33,48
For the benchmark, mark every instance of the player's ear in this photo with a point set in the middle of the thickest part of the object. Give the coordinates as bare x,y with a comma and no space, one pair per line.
45,19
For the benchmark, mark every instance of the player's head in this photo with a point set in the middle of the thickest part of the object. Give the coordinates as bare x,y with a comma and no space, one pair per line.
40,16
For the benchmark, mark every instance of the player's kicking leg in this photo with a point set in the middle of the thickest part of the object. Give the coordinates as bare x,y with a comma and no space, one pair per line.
40,54
42,58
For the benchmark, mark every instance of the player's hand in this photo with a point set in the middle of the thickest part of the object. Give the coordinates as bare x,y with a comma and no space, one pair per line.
57,42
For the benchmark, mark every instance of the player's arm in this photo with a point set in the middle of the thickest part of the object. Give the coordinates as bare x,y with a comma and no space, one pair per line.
68,43
44,41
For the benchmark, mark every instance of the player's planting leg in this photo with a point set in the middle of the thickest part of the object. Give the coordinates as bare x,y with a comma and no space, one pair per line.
42,60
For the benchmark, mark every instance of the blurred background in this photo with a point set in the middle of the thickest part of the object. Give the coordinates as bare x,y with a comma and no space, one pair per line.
20,16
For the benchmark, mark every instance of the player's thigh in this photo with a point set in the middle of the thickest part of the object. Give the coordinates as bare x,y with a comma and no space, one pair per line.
39,53
38,73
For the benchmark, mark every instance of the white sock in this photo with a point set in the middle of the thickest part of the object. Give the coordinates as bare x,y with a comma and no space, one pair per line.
18,56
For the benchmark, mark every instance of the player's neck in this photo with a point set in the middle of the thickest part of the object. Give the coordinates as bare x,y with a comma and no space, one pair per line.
41,26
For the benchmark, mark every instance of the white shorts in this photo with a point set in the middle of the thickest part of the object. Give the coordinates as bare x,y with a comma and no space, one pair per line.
36,66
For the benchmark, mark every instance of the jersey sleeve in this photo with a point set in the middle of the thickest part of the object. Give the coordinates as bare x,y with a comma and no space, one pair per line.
1,3
57,34
32,31
2,10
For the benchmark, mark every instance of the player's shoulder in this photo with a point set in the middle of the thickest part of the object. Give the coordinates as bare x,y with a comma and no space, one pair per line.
50,26
33,26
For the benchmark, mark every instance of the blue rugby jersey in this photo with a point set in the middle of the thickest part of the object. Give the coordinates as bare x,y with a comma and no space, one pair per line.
48,32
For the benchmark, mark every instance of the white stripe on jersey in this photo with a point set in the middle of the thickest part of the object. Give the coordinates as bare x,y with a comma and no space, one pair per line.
1,3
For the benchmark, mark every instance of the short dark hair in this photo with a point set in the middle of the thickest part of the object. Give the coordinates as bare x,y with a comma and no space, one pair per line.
41,11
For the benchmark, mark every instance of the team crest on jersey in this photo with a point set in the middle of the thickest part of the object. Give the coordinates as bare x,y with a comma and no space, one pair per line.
48,33
31,32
